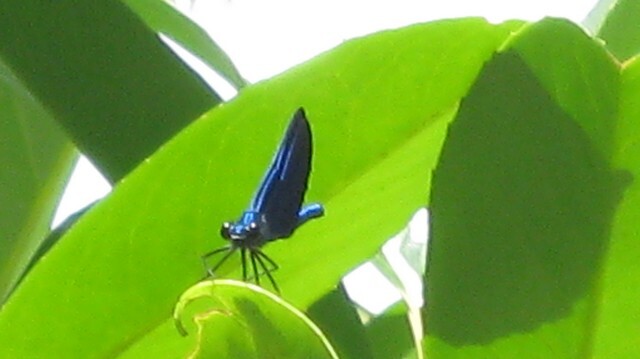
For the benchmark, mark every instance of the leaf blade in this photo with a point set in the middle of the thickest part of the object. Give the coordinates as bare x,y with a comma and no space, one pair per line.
116,105
38,157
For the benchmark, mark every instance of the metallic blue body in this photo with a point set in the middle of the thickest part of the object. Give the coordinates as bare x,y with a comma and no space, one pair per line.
276,210
239,230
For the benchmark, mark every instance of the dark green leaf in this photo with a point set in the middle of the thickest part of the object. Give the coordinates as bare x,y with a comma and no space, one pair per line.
390,334
337,317
105,77
522,202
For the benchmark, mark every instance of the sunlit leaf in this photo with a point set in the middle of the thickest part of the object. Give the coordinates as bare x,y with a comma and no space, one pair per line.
378,108
619,311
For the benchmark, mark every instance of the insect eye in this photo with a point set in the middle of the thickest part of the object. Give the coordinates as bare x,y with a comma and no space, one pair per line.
252,229
224,230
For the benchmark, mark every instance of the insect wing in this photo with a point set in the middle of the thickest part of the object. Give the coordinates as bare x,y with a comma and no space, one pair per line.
282,190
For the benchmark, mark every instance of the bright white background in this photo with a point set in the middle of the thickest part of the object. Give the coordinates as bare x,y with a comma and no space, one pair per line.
264,38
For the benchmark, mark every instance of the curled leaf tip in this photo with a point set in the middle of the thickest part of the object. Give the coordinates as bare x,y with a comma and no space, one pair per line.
180,327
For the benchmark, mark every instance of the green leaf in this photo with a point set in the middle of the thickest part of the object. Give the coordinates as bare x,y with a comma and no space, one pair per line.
163,18
620,29
262,324
36,158
55,234
522,202
378,108
619,308
118,92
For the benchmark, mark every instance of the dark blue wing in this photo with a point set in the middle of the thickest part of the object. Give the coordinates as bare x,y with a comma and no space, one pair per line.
281,193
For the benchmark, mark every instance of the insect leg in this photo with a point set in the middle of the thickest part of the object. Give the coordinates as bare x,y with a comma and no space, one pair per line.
256,275
243,254
274,266
211,270
259,256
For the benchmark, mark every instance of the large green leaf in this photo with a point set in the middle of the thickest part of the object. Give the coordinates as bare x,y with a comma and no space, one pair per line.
619,308
36,159
378,108
105,77
522,202
163,18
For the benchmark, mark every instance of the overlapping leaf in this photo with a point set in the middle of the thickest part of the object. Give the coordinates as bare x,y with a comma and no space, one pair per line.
106,78
532,207
36,158
163,18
